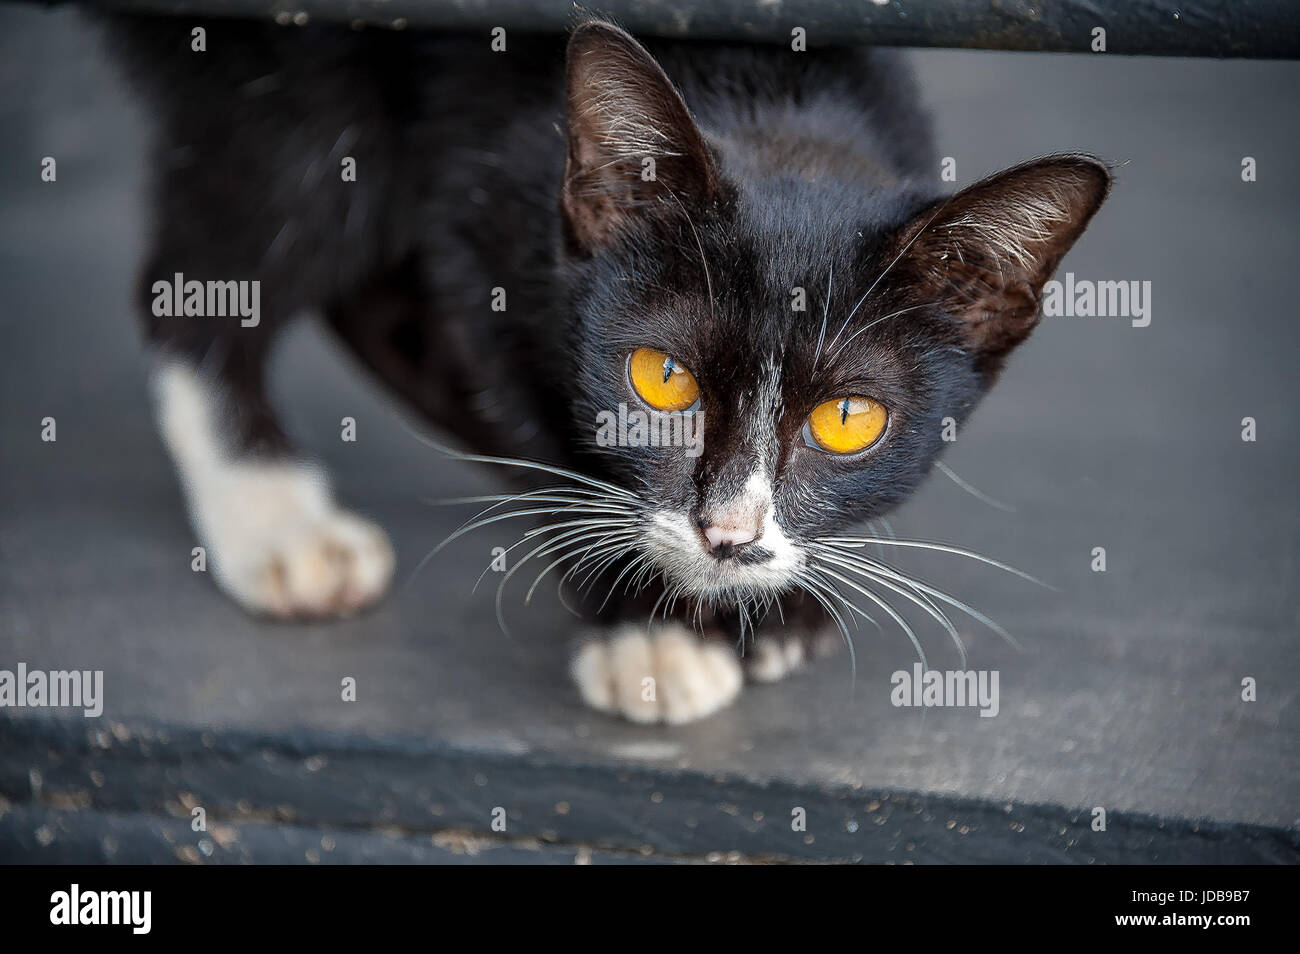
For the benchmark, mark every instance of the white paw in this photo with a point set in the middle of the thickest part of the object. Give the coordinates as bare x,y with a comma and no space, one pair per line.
667,675
332,564
278,545
276,542
774,658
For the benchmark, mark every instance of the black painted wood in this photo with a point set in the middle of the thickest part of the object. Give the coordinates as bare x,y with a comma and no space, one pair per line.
1240,28
408,790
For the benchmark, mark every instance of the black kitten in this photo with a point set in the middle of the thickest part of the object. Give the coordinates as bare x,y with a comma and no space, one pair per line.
710,288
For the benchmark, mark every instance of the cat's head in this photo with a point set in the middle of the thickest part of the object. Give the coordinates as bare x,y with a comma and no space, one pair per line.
809,333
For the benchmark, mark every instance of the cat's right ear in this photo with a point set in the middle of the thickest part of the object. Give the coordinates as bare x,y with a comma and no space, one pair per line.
633,148
987,252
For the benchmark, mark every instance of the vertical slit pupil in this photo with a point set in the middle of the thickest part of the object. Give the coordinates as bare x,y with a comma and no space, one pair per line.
844,412
669,367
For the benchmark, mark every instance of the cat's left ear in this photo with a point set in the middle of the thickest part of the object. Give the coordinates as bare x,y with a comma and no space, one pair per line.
634,149
987,251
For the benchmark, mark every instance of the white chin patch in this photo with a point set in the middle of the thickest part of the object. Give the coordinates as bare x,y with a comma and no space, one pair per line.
673,544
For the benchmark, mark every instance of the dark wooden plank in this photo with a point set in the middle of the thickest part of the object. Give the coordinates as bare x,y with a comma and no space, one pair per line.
1259,28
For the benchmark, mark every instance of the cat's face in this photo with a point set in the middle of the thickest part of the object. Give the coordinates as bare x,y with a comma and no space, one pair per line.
797,342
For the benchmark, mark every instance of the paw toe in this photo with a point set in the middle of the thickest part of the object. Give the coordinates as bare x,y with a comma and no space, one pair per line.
775,657
333,566
668,675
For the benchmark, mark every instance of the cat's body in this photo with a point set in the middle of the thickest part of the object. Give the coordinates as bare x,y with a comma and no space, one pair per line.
505,252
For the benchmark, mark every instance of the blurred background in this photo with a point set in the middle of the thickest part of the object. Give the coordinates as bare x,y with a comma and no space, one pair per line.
1128,695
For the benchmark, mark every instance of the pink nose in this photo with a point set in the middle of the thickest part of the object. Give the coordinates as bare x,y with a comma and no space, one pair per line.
728,536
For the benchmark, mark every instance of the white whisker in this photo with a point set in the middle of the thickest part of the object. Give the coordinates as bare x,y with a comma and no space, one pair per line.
892,613
873,285
872,568
972,490
941,547
871,324
613,489
918,598
573,537
826,310
615,541
819,591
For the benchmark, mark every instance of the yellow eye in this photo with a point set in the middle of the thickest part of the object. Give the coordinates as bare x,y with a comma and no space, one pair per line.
847,424
662,383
